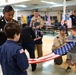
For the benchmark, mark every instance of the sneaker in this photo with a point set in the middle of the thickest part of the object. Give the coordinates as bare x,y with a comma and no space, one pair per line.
68,69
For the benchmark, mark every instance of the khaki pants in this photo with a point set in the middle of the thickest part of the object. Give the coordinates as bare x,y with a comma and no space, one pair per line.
39,50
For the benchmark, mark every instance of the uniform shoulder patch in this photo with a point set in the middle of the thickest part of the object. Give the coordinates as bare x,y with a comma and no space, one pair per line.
21,51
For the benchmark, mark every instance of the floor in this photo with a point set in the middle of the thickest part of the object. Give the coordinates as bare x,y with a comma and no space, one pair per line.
49,68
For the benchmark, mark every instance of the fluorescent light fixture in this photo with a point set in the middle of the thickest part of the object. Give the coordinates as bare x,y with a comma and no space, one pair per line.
48,2
16,1
21,6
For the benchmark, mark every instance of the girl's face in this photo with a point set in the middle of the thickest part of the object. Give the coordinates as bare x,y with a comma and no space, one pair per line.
9,15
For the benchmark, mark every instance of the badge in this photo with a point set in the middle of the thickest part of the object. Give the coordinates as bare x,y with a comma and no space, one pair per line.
22,51
2,20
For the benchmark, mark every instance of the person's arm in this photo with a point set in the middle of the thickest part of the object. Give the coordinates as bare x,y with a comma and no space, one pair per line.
32,33
40,35
22,60
57,42
69,39
41,23
55,45
32,22
37,38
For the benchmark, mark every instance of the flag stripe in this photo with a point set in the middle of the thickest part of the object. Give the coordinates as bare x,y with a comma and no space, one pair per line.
39,61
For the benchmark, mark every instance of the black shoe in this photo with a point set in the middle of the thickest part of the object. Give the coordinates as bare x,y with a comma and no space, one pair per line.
68,69
33,69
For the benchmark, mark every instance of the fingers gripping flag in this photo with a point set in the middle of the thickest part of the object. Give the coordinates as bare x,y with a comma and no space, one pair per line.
57,53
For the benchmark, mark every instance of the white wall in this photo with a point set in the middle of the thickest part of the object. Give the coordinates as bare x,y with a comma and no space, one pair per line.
52,13
20,13
26,13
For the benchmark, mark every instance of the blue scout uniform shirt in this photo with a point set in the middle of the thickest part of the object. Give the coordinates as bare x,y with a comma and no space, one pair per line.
72,38
38,33
13,59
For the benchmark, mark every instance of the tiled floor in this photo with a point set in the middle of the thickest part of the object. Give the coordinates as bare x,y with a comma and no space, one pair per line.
48,68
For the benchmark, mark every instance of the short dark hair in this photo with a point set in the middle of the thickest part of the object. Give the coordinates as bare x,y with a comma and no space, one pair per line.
73,28
36,10
7,8
24,25
11,29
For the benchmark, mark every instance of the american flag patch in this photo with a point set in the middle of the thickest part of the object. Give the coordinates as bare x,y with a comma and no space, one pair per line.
21,51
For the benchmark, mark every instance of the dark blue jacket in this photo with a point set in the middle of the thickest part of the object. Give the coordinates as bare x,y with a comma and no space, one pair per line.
13,59
27,35
38,33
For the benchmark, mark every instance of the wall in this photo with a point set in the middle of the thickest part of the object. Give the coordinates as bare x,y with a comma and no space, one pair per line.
26,13
52,13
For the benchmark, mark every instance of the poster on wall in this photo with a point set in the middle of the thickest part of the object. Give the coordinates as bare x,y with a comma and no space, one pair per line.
23,19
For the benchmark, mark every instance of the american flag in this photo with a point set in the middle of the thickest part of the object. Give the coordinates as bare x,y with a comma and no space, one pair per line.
67,18
57,53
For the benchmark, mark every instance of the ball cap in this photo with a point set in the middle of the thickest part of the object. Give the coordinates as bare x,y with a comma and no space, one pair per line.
62,28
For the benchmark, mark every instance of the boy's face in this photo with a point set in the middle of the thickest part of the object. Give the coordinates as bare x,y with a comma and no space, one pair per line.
73,32
62,32
37,27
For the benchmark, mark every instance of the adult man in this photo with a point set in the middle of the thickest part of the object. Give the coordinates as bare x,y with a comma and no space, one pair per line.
58,42
8,13
73,18
36,18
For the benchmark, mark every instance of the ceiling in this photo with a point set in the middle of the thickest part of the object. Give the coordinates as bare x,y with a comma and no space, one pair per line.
41,6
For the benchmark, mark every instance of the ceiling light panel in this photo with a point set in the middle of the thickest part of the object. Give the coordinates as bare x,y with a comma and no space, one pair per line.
48,2
11,1
23,6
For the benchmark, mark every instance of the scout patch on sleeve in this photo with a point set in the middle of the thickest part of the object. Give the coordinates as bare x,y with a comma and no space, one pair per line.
21,51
